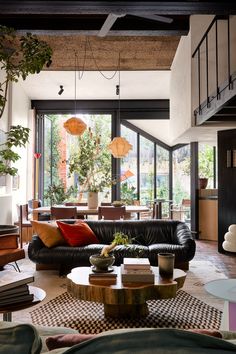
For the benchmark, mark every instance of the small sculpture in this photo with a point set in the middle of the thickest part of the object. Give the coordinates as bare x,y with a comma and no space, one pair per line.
230,239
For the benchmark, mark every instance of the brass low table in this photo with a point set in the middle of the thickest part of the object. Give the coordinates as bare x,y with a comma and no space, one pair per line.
122,300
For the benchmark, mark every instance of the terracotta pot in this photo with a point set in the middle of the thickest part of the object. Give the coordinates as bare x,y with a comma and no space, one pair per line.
203,183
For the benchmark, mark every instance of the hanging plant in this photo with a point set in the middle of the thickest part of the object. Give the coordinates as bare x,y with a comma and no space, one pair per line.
20,57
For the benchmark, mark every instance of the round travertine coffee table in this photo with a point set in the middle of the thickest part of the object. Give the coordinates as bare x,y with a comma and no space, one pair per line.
122,300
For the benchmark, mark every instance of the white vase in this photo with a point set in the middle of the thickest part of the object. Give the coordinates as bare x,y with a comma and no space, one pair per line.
92,200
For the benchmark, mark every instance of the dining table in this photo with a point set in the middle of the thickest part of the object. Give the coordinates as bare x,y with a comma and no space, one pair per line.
85,210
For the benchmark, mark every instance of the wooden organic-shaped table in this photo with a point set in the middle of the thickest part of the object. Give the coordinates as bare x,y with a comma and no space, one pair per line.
122,300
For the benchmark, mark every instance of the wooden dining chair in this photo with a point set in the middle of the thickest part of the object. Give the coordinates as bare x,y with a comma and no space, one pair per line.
111,212
25,227
79,216
63,213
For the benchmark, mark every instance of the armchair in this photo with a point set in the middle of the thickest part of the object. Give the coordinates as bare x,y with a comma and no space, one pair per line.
10,250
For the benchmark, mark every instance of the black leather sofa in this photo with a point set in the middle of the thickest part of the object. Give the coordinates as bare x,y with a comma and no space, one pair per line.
150,237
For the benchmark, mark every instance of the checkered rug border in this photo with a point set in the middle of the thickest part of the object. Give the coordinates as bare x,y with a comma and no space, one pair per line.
184,311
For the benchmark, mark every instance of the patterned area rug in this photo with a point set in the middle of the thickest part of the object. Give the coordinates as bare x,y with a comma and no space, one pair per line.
184,311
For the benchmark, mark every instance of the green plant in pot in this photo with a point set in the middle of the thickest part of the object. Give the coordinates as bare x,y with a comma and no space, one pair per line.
101,262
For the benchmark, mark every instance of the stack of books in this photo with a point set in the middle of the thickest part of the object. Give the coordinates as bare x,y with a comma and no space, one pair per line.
14,288
137,270
103,278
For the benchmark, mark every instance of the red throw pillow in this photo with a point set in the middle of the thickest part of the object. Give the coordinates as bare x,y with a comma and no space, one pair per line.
208,332
67,340
77,234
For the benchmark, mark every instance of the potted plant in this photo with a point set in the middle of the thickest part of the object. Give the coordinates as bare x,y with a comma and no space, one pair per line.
101,262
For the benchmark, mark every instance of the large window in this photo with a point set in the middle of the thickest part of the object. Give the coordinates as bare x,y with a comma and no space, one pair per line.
61,151
162,174
206,159
146,170
128,176
181,174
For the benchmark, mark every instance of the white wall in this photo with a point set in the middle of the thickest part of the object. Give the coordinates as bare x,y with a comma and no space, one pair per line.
16,112
157,128
20,115
180,89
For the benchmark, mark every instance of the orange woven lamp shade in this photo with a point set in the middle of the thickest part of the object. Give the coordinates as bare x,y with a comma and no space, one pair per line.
75,126
119,147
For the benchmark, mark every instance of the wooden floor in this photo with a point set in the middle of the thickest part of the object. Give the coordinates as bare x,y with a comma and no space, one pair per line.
208,251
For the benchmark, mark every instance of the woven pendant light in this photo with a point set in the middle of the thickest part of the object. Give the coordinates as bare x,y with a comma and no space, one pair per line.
119,147
74,125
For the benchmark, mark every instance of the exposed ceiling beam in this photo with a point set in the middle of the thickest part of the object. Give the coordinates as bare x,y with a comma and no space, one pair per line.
105,7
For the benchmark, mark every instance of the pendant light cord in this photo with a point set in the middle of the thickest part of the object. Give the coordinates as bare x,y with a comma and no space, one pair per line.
81,72
75,79
119,86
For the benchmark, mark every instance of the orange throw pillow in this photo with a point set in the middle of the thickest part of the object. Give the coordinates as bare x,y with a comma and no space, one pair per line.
48,233
77,234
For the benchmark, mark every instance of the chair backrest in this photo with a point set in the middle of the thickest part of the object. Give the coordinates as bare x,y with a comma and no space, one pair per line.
186,203
22,212
63,213
111,212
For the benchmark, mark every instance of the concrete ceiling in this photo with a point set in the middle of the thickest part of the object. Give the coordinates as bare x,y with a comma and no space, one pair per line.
93,86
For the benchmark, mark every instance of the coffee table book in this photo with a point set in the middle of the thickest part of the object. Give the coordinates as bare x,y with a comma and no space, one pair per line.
11,279
103,278
136,263
16,300
137,276
18,291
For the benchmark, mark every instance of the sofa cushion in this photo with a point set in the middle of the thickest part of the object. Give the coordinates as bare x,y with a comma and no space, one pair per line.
153,341
49,233
77,234
67,340
20,339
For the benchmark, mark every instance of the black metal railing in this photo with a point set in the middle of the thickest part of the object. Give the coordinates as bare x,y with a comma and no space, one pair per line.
197,53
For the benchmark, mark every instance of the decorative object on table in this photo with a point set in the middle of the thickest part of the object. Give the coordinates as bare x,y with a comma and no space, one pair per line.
104,260
230,239
166,265
75,125
137,270
118,203
101,264
92,200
